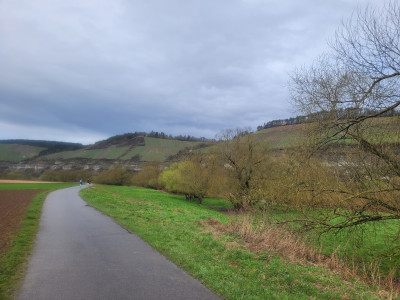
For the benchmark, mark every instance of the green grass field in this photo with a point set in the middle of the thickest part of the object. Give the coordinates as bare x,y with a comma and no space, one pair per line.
12,262
16,153
174,227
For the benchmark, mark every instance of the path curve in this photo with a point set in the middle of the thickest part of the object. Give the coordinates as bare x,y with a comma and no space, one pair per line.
83,254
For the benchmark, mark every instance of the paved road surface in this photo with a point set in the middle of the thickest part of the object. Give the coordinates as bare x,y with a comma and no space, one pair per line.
82,254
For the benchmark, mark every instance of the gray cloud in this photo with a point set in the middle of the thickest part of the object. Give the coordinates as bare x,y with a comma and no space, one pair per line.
84,70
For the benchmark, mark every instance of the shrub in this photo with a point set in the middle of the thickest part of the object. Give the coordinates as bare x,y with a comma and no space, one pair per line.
115,176
148,178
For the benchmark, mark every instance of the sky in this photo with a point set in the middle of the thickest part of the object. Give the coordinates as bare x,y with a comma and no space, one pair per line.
84,70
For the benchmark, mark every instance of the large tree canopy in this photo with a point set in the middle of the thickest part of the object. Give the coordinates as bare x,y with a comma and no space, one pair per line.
347,91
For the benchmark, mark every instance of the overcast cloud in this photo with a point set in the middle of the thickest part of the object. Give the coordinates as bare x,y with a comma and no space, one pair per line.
84,70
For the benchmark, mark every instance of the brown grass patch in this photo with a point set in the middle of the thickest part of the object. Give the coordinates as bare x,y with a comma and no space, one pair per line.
130,201
142,203
138,202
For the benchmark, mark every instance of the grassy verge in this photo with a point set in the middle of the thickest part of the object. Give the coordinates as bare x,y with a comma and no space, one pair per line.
12,262
177,229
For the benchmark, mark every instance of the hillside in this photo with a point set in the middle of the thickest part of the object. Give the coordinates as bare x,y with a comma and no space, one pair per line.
377,130
125,147
120,147
142,147
129,151
16,152
138,149
283,136
19,150
127,139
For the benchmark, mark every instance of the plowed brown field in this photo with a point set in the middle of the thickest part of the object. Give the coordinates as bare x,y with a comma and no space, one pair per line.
13,205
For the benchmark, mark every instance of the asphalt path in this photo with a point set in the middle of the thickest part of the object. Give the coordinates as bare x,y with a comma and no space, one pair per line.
83,254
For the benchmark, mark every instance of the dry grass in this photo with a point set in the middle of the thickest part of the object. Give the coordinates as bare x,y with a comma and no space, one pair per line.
24,181
266,237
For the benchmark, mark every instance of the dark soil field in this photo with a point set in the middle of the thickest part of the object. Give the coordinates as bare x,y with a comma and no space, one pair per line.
13,205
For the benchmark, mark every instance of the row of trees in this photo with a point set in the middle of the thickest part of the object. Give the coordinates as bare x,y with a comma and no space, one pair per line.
323,114
121,138
238,168
113,176
163,135
282,122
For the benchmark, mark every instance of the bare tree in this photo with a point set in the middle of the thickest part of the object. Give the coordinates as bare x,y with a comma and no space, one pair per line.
347,92
244,159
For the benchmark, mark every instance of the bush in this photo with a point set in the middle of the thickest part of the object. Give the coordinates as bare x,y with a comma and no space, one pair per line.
116,176
190,177
148,178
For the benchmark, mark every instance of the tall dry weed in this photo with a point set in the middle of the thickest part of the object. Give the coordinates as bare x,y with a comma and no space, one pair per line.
262,236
